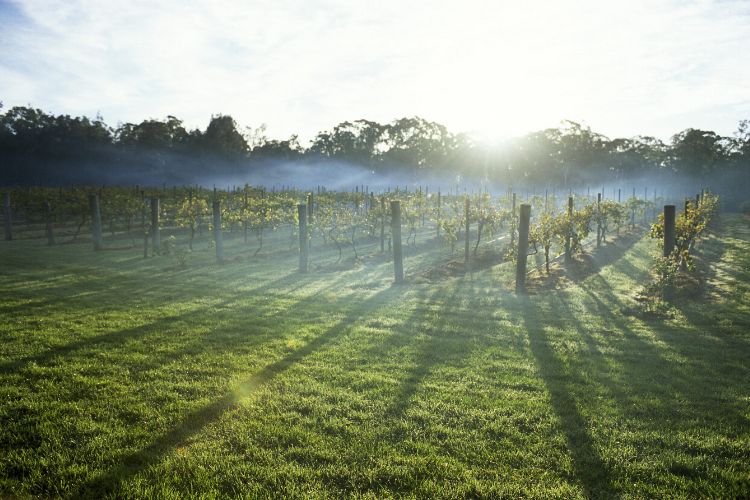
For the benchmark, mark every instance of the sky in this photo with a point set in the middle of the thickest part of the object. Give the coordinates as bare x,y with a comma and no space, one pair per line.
493,69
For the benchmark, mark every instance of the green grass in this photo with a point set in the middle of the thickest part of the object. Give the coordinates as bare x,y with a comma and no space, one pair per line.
127,377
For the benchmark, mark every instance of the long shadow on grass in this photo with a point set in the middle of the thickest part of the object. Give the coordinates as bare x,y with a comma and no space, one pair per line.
594,474
605,255
120,337
194,422
416,346
429,352
107,282
107,339
683,377
734,258
98,294
705,387
634,371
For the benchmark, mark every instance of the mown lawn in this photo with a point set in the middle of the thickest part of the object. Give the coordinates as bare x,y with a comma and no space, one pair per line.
127,377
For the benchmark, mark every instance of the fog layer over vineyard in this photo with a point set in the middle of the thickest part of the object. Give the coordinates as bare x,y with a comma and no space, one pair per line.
37,148
331,174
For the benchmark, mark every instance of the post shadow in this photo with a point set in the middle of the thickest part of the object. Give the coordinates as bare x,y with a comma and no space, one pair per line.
591,470
194,422
122,336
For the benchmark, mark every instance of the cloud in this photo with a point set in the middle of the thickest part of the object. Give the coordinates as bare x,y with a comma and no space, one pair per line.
496,68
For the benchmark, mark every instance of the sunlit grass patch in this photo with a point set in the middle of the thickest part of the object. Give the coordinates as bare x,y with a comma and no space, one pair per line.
123,377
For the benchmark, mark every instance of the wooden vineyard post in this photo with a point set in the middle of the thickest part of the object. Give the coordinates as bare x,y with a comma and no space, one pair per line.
466,232
570,229
303,246
216,208
155,234
96,221
598,220
523,247
398,258
632,213
310,208
48,224
8,217
513,218
382,224
669,229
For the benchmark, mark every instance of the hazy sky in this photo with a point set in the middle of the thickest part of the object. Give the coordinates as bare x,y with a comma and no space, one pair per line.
494,68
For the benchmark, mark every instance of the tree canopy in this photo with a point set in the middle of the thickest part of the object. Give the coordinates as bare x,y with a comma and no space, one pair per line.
38,147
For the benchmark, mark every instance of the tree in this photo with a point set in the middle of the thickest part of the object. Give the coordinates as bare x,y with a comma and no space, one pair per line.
153,134
418,144
740,150
33,144
531,156
277,150
360,141
697,152
581,149
221,138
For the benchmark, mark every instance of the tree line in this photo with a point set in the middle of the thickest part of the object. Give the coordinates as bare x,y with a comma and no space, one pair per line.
46,149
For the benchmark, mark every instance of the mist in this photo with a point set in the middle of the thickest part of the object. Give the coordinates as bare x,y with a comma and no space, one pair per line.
408,153
157,169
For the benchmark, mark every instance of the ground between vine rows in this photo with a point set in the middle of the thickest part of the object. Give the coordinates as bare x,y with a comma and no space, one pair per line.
130,377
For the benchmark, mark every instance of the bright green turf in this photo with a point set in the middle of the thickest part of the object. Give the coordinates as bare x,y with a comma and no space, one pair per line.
127,377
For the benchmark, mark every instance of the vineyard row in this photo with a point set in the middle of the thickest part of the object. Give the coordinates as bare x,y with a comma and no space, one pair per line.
341,219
